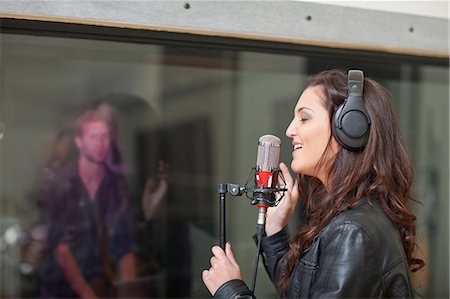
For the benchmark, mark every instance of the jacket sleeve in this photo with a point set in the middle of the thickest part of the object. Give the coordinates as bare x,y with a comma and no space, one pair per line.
234,289
273,249
348,265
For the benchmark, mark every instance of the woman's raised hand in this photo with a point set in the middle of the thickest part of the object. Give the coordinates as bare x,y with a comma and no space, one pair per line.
277,217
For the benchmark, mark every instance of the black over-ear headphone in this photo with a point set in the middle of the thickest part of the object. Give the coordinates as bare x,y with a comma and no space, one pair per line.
351,120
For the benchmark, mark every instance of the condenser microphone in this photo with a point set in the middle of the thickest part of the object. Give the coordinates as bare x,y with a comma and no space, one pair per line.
266,176
265,189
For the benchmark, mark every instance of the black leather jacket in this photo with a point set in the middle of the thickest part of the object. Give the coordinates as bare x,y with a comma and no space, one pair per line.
359,254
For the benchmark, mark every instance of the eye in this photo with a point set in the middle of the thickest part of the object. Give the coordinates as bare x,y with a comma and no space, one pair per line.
303,119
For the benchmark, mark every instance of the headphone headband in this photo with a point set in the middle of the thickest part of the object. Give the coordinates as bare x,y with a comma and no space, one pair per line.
355,84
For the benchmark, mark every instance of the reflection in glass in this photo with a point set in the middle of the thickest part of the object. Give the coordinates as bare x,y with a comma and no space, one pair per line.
199,110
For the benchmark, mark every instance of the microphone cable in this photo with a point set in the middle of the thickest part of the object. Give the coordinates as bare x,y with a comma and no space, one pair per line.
259,235
260,228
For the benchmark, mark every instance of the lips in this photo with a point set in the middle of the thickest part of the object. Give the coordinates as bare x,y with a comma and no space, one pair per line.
297,146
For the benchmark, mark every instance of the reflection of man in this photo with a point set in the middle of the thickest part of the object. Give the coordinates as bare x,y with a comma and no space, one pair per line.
90,238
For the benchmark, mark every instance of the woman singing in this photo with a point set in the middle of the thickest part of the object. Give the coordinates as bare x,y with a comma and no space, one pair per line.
355,177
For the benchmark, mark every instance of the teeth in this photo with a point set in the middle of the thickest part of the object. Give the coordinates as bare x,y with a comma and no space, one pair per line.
297,146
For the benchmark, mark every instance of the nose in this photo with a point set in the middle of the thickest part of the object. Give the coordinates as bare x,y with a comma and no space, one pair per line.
290,130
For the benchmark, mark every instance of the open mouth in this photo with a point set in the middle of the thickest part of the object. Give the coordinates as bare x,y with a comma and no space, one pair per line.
297,146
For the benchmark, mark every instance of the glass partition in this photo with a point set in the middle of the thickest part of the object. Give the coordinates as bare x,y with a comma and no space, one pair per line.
177,120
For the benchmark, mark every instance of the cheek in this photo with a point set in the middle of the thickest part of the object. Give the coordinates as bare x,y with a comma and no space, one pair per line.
315,144
317,140
322,140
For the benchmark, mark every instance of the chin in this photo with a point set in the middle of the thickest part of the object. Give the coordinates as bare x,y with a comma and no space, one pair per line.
98,160
295,167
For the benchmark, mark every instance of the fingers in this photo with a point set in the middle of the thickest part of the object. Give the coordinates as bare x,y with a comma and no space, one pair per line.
291,185
213,261
150,185
205,275
230,255
287,176
218,252
224,256
223,268
207,281
164,171
295,192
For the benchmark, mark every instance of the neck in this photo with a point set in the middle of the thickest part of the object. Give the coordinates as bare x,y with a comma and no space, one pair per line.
90,171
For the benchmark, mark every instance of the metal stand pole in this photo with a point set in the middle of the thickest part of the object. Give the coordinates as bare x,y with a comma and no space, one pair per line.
222,189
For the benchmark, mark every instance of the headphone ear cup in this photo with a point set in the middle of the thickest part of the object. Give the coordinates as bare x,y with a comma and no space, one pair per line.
351,126
354,124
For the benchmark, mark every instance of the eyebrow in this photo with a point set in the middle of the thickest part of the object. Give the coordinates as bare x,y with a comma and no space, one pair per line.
303,108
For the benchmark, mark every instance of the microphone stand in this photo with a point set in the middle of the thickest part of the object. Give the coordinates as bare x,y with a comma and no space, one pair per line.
262,203
222,189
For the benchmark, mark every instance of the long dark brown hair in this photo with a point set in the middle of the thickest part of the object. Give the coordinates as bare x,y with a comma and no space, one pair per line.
382,171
